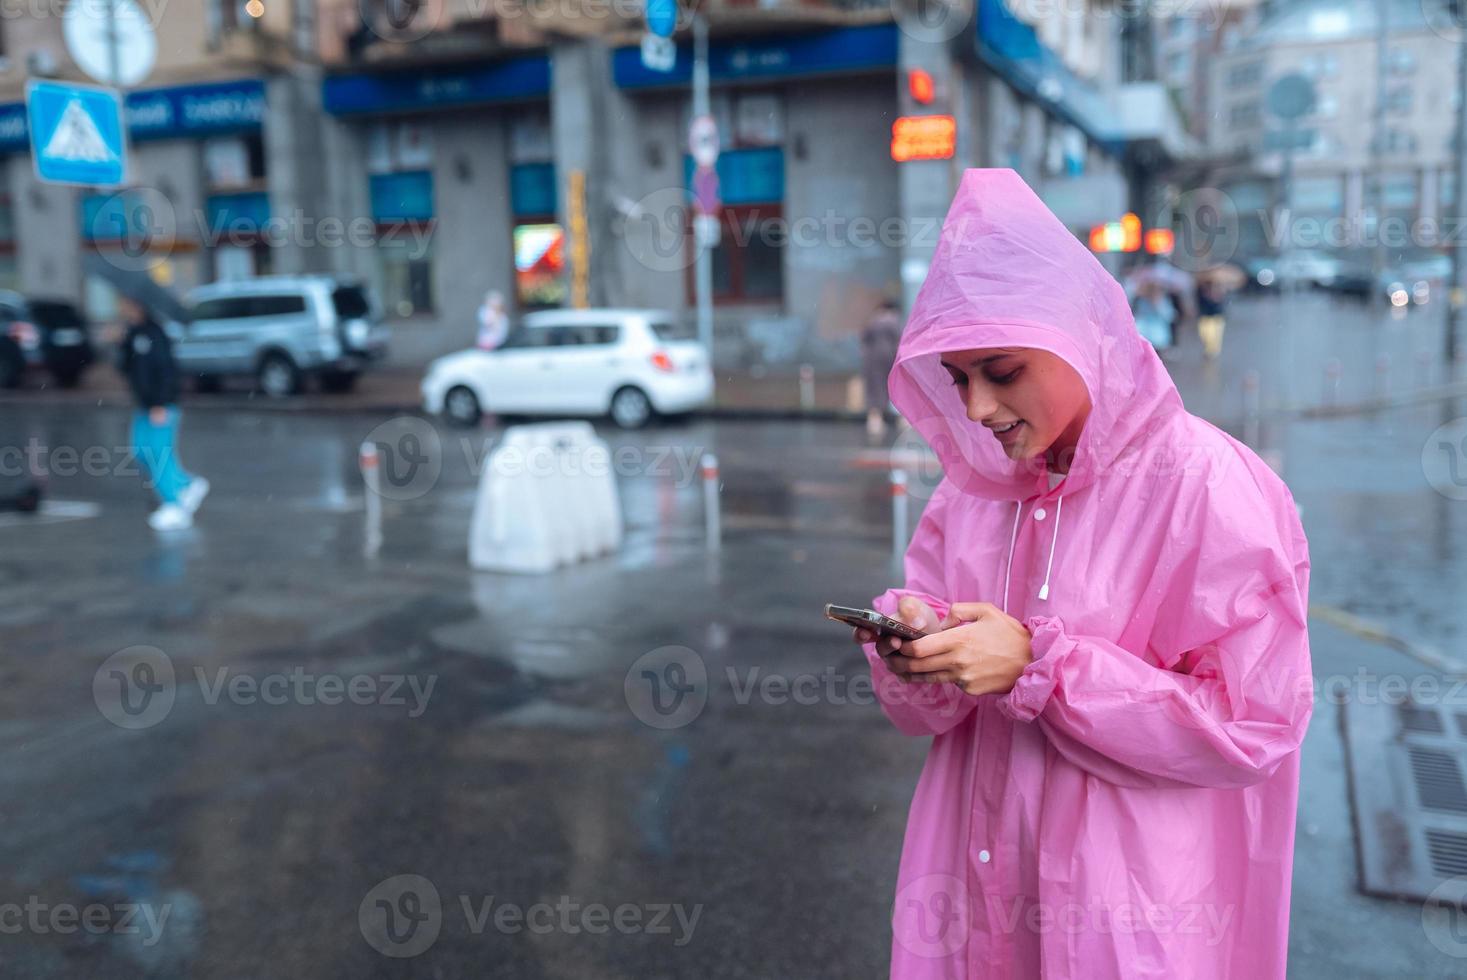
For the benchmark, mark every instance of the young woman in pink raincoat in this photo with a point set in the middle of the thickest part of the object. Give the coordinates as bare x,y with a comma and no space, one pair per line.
1118,679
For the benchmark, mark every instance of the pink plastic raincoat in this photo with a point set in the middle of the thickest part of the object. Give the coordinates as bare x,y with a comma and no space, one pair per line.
1127,810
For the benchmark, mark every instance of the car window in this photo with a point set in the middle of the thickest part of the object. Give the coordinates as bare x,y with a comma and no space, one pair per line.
674,330
524,337
52,315
222,308
283,305
598,334
350,302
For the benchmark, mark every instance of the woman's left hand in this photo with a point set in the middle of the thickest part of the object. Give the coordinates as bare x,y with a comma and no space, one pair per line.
980,648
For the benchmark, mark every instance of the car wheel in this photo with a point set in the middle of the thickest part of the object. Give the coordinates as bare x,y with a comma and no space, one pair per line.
278,376
631,408
12,364
461,406
338,382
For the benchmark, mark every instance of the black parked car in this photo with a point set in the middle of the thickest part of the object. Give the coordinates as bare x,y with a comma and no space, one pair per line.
48,334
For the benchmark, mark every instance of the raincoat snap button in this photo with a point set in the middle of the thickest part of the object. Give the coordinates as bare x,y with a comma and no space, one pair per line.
1040,514
984,856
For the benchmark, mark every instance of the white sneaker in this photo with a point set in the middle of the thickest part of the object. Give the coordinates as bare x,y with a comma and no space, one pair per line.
194,494
170,517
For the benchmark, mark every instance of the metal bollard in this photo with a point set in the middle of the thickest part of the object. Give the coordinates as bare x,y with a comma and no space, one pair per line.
1251,408
807,387
1332,371
371,467
712,524
1383,376
898,514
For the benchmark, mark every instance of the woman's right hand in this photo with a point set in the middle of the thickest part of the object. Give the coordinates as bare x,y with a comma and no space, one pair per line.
910,610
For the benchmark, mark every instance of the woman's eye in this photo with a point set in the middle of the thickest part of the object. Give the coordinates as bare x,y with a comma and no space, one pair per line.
1004,379
959,380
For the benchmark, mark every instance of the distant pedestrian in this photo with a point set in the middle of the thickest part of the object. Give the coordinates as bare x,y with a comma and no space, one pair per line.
1155,314
146,360
879,340
493,321
1212,300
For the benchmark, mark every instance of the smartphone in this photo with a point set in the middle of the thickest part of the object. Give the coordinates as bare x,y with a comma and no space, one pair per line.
870,619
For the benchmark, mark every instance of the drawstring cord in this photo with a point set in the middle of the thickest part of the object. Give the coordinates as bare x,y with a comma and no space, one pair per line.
1059,506
1013,539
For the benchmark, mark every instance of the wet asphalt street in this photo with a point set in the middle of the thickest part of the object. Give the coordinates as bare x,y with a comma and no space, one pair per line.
337,721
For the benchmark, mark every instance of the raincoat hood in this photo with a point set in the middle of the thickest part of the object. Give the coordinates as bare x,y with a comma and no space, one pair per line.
1007,273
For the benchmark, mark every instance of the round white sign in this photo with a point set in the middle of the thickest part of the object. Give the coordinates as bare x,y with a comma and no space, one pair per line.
92,34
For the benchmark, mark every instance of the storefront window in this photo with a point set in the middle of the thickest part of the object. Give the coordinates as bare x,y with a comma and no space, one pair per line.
748,262
407,276
539,265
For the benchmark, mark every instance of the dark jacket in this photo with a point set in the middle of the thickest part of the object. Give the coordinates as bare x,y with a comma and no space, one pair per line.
146,359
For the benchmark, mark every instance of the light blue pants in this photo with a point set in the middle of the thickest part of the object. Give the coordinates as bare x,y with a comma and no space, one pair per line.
157,448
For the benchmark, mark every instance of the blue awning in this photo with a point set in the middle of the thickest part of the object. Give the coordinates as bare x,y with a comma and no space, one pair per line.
843,50
1013,49
409,91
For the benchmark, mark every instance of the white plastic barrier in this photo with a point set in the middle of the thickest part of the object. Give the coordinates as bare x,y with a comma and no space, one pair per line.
547,498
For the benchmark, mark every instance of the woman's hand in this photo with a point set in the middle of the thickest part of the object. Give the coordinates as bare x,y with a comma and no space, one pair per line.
980,648
910,610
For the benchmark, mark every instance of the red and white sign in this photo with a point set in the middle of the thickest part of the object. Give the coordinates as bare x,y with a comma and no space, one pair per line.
703,140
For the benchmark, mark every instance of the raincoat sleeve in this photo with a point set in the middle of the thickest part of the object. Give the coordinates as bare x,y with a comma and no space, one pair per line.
920,709
1222,712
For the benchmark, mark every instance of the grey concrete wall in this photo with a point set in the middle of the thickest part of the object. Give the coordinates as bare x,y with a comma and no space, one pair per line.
843,202
49,263
170,176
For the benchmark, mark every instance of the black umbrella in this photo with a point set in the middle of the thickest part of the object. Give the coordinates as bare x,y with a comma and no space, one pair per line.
139,287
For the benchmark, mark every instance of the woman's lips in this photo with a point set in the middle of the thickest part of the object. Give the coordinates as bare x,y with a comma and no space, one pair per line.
1008,434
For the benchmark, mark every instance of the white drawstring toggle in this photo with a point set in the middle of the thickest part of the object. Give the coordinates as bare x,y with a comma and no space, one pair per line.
1058,507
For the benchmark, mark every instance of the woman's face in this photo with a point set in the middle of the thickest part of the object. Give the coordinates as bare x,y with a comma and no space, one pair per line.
1032,401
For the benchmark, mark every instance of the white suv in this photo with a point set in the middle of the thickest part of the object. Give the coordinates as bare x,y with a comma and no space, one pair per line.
278,330
631,364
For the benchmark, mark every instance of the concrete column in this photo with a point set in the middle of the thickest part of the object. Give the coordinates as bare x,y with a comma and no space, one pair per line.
346,195
591,127
48,263
925,187
295,168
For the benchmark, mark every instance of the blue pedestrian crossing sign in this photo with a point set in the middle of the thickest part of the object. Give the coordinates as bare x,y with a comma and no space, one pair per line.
76,133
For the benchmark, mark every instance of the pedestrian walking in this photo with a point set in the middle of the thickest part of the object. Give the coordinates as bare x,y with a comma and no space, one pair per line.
493,321
879,339
1116,676
146,360
1212,300
1155,314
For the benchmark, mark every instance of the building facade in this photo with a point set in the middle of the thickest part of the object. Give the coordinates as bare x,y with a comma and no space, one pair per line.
443,149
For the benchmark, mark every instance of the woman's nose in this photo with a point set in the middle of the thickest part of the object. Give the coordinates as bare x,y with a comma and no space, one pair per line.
981,404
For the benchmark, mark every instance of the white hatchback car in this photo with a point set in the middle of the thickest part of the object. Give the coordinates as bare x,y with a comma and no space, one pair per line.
631,364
